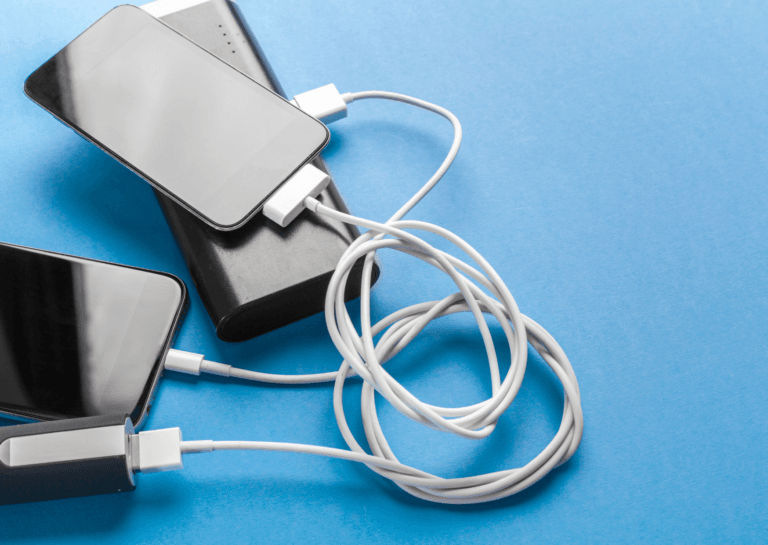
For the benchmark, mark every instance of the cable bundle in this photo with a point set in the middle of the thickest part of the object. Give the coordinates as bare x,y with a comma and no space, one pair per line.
480,291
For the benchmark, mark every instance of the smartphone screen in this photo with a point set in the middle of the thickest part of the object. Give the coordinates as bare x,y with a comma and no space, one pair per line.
197,129
81,337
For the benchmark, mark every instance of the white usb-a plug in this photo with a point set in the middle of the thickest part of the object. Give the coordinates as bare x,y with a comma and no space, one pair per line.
156,450
325,103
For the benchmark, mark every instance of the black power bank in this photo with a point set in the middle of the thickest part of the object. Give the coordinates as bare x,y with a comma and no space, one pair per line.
260,276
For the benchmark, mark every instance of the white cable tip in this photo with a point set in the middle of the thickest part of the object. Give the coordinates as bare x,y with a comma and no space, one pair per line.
288,201
158,450
194,364
324,103
183,362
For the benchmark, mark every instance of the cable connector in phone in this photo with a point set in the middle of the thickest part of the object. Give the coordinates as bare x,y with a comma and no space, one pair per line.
288,201
325,103
194,364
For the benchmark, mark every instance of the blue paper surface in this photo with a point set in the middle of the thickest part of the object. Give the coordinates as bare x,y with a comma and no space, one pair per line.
613,172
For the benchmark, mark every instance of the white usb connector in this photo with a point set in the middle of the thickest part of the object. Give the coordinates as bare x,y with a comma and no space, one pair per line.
156,450
288,201
325,103
194,364
161,450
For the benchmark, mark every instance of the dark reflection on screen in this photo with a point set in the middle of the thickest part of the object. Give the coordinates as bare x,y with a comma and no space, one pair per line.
39,336
79,338
189,123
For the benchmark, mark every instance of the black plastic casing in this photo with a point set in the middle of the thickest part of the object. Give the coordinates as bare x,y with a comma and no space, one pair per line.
65,479
259,277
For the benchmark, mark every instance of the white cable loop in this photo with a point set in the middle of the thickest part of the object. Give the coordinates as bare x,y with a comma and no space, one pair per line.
363,357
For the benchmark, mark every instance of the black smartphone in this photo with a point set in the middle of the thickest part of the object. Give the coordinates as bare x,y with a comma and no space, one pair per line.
80,337
194,127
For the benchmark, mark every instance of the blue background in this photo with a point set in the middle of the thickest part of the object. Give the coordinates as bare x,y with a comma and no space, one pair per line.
613,171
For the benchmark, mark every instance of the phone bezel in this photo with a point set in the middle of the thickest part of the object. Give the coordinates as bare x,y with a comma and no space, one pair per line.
29,92
143,404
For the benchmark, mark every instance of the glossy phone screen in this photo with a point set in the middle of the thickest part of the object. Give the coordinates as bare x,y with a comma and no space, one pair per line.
205,134
81,337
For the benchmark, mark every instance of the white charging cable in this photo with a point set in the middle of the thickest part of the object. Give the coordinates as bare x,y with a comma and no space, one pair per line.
480,291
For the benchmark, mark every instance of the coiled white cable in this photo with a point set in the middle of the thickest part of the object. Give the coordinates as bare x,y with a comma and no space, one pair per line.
365,358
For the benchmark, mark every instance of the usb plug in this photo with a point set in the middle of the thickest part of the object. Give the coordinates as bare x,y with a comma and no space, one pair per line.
156,450
325,103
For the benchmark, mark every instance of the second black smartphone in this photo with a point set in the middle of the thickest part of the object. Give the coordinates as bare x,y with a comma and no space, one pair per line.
80,337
